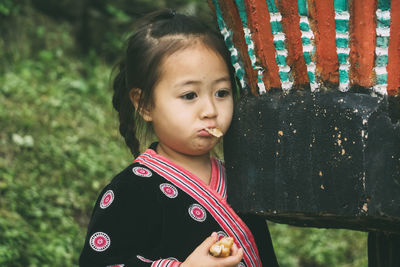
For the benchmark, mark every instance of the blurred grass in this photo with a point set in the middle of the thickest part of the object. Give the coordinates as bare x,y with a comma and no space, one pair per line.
313,247
59,145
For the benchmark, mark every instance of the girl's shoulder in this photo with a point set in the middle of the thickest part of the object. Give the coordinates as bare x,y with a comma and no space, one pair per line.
134,182
135,174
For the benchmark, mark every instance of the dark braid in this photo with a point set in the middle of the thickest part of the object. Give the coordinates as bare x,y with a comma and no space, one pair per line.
126,110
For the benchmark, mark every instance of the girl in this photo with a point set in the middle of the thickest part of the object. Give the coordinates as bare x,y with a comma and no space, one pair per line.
169,206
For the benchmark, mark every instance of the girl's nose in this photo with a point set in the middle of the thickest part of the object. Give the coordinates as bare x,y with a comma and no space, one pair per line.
208,108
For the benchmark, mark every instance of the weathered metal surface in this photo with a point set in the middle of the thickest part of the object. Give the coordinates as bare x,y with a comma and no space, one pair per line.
325,160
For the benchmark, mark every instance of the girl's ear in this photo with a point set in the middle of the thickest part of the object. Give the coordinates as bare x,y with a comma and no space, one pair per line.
134,95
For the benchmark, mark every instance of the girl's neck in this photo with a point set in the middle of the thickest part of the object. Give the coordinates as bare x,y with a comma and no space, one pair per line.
199,165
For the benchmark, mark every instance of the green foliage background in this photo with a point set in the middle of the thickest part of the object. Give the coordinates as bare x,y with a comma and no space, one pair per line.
59,141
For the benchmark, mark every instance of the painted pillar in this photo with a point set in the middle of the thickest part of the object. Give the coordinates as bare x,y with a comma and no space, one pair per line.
316,140
344,44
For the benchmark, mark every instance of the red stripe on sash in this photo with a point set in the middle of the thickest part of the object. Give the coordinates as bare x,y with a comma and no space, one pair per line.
210,200
217,182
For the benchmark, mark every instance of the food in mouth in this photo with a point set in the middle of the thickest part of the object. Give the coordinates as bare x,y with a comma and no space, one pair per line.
222,248
215,132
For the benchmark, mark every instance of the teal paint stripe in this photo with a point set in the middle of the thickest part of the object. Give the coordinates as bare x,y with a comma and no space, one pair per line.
305,41
342,42
384,4
342,25
343,76
342,58
302,8
284,76
247,38
382,41
341,5
382,23
239,70
271,6
250,45
381,79
311,76
281,60
242,11
304,27
276,27
220,20
307,57
279,45
381,61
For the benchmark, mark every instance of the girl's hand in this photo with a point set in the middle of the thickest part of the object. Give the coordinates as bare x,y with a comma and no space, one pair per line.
201,257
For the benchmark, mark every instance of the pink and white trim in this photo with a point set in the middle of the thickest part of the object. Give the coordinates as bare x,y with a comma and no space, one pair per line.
169,262
217,182
208,198
166,263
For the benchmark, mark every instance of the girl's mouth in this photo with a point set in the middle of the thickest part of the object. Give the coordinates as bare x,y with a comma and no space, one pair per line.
215,132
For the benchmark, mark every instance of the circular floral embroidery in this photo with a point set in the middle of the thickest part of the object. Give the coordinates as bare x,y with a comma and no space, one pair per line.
99,241
169,190
241,264
197,212
143,172
107,199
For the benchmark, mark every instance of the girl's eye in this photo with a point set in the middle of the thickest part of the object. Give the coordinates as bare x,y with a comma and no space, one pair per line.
222,93
189,96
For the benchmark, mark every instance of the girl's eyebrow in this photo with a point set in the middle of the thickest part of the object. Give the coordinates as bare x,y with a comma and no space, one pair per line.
223,79
185,83
195,82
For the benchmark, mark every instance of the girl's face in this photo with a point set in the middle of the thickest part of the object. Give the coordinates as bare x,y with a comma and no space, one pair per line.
194,93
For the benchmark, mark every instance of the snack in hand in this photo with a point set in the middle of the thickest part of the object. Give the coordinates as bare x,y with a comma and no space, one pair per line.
215,132
222,248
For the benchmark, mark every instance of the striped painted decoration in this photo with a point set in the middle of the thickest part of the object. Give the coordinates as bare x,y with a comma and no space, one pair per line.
227,34
280,47
307,40
382,45
342,17
335,49
250,46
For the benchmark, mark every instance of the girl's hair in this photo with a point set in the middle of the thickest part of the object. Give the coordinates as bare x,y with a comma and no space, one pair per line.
161,34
